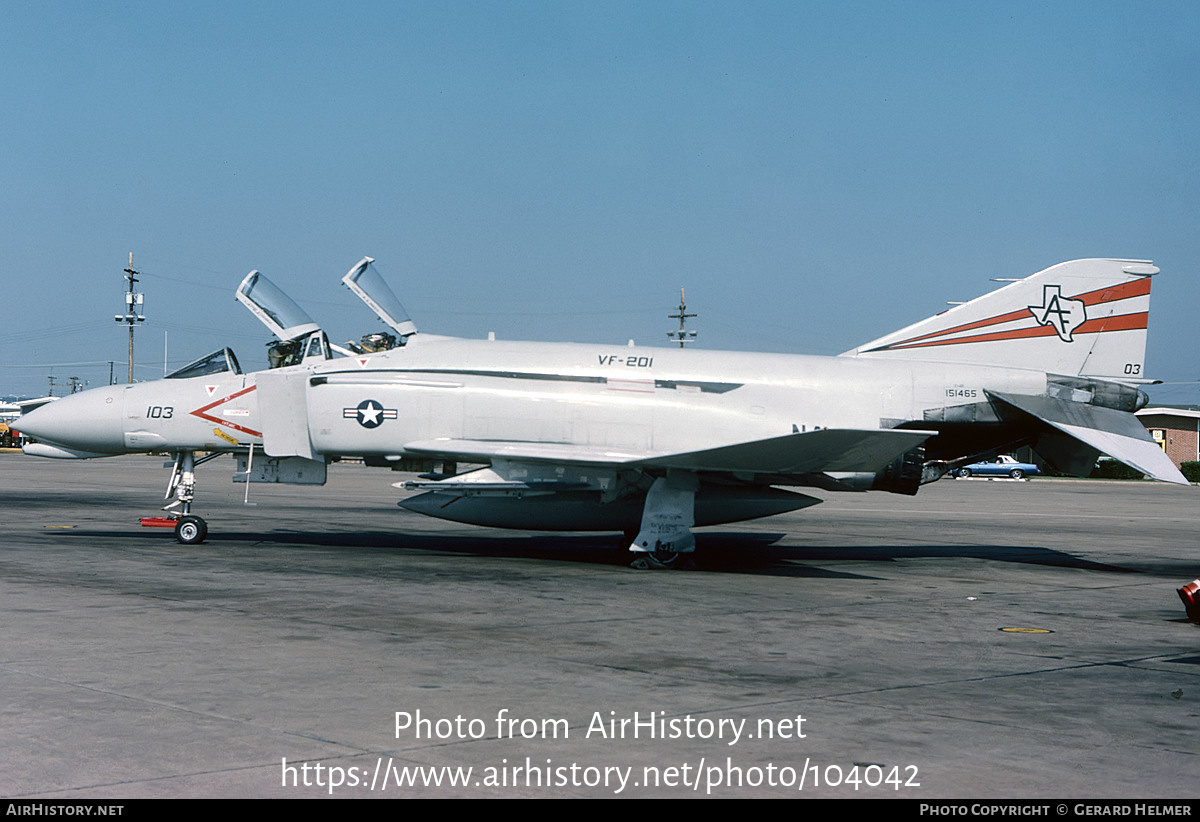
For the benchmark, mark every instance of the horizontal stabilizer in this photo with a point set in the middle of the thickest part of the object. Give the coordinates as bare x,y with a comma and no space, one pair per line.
1116,433
839,450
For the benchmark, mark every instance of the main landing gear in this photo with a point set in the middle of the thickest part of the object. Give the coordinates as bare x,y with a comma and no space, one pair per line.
189,528
664,540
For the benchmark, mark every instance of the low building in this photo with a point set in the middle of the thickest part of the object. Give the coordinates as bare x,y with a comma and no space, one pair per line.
1176,429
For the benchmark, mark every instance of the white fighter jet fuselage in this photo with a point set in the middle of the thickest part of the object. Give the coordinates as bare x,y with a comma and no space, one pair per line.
627,400
654,441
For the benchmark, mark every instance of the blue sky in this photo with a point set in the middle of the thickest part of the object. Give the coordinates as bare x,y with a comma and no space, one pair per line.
814,174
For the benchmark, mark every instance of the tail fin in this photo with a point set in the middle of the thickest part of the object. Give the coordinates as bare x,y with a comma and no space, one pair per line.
1084,317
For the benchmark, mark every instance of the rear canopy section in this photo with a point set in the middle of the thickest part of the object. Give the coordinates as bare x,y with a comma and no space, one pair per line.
370,287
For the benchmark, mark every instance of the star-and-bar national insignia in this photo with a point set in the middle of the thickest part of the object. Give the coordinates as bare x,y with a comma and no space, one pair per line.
369,413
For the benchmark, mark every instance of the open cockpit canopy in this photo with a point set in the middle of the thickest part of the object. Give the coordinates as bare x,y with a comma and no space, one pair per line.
274,309
300,338
370,287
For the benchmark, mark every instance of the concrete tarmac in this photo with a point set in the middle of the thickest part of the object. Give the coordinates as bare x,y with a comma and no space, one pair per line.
860,648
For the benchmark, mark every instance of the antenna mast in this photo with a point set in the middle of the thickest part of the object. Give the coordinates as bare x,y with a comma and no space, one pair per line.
133,308
682,335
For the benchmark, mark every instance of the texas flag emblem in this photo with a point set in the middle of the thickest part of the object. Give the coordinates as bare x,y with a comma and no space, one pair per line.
1061,313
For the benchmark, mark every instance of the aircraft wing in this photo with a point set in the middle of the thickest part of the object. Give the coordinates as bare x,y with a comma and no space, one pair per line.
463,450
828,450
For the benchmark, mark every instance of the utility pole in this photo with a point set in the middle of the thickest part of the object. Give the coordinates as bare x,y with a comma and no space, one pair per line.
683,335
133,307
75,384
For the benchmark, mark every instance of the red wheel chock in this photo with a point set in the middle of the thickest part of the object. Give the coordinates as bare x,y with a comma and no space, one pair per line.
159,522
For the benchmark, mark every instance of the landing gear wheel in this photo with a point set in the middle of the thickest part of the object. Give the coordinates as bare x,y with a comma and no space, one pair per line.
191,530
662,560
1016,473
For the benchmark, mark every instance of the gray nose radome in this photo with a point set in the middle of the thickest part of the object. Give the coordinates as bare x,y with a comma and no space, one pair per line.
88,421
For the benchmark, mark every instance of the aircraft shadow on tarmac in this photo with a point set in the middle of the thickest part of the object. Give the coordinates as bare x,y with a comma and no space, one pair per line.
722,552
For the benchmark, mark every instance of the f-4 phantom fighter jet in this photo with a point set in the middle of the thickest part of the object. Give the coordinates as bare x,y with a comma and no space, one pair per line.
648,442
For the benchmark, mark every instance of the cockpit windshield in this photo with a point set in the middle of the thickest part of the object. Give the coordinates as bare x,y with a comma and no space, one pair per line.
276,310
367,284
215,363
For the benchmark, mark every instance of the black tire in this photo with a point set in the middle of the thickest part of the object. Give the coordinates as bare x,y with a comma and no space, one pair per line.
662,560
964,473
1017,473
191,530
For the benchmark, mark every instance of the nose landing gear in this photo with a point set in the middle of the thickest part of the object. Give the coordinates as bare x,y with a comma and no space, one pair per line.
189,528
